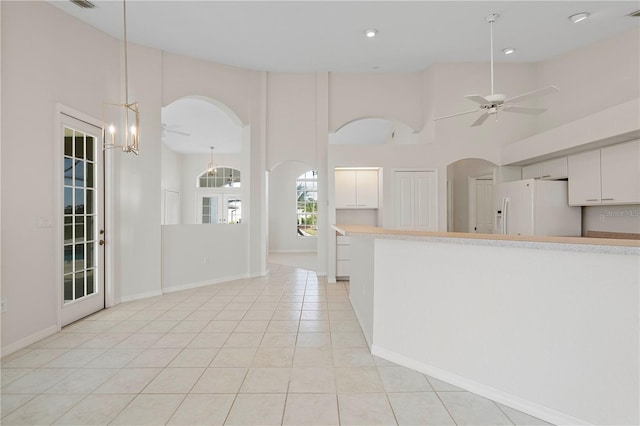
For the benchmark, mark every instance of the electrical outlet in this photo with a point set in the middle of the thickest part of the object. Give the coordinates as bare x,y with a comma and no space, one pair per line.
3,306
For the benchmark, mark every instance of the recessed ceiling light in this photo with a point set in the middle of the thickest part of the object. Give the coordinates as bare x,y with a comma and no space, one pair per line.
371,33
579,17
508,50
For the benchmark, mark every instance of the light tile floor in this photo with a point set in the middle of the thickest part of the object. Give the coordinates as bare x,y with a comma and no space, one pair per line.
284,350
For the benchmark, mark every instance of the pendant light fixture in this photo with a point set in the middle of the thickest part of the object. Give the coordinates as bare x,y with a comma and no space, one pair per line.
211,168
121,122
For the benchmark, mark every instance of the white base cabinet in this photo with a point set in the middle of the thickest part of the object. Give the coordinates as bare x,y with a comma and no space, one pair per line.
343,257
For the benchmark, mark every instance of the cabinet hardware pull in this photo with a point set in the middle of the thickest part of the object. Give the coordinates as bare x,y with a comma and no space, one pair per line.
546,176
593,199
608,199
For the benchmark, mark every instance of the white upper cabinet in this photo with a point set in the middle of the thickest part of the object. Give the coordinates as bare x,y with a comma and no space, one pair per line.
609,175
550,170
555,169
356,189
532,171
345,189
584,179
620,171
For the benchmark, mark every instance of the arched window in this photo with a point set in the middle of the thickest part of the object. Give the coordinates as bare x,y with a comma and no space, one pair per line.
220,177
219,200
307,204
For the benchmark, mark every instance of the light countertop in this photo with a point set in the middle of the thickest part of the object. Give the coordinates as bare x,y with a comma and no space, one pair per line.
582,244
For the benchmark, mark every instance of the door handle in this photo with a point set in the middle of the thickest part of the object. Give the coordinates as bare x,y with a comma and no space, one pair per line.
101,242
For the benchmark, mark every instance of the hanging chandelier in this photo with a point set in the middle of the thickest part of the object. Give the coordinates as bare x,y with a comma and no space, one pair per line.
211,167
121,122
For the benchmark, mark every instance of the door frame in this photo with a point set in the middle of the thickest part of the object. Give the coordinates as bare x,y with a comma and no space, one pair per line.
471,198
109,296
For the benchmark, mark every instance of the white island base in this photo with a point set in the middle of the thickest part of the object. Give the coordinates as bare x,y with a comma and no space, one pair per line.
547,326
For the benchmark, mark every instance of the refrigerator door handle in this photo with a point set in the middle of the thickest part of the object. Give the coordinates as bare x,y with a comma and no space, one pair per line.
505,215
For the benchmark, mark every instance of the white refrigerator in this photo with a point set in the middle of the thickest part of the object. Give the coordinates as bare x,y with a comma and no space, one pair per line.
535,207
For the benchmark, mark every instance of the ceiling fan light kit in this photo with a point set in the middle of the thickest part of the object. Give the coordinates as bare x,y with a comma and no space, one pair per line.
496,102
579,17
371,33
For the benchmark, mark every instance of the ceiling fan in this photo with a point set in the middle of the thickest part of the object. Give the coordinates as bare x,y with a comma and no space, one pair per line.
171,128
491,104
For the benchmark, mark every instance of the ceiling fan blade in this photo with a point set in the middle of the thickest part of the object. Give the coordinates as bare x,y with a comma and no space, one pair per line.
524,110
178,132
478,99
480,120
455,115
533,94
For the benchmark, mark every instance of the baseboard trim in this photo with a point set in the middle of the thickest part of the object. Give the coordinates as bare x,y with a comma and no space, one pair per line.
198,284
139,296
521,404
26,341
292,251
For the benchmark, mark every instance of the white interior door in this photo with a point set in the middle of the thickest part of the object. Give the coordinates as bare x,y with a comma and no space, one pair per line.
415,200
481,213
171,210
403,200
83,220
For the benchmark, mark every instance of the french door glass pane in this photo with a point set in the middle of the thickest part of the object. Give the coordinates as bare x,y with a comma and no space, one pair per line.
90,142
68,171
79,285
79,220
79,153
68,200
90,282
89,175
89,205
68,287
79,201
79,167
68,259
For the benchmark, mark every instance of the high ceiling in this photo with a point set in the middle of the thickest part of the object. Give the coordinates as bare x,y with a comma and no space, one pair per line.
306,36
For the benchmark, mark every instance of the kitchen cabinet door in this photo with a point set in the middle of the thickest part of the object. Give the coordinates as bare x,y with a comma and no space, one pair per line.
584,178
532,171
554,169
620,172
367,189
345,189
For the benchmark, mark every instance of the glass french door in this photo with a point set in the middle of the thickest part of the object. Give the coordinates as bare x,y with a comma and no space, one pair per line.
83,229
218,208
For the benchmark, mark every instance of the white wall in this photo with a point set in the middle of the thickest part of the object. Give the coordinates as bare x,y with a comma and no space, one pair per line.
624,219
36,74
291,112
196,255
550,332
282,209
136,195
391,96
590,79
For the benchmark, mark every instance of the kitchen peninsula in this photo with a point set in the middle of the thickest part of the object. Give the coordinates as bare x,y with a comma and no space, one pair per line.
547,325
